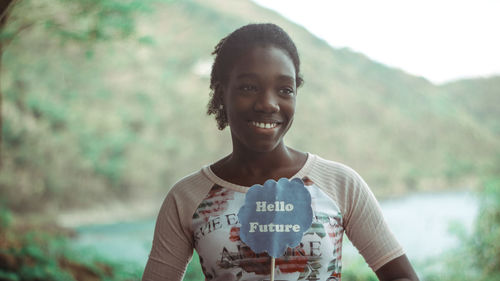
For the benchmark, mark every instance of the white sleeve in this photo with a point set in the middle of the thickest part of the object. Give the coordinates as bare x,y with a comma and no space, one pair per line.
172,247
366,227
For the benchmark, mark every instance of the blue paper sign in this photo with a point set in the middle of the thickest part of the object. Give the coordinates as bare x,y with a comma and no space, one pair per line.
275,216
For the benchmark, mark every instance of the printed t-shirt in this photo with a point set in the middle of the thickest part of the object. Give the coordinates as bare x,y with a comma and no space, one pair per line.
200,212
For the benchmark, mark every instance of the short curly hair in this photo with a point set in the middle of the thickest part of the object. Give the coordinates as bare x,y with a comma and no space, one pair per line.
231,47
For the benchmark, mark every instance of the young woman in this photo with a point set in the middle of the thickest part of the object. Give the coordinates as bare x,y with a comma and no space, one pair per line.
254,84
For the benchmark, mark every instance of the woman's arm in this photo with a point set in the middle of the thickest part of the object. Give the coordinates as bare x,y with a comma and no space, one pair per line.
399,269
172,248
368,231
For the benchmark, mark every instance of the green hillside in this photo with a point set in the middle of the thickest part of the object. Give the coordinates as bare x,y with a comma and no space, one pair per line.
480,97
126,119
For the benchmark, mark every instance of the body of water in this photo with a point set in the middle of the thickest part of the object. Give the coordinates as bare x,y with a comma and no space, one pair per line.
421,222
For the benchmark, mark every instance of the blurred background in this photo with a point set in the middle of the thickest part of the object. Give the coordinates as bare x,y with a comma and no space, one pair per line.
103,108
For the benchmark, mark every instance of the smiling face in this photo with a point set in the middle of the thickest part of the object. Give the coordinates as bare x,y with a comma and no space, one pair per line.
259,99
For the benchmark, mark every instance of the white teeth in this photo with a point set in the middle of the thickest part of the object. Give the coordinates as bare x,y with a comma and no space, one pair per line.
264,125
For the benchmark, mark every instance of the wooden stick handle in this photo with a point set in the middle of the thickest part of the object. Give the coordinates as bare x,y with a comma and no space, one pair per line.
272,269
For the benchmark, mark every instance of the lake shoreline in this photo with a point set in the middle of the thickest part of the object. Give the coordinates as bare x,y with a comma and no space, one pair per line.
126,211
420,222
114,212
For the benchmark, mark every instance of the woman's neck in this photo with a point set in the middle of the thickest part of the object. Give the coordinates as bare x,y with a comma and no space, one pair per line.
256,163
246,168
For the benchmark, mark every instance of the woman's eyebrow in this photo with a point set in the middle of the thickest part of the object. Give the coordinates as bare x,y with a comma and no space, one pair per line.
286,78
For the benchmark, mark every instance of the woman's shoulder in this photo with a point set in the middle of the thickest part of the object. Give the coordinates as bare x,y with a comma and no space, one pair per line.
184,196
193,184
325,168
340,182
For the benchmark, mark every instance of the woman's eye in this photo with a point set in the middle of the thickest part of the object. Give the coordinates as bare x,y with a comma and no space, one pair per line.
287,92
247,88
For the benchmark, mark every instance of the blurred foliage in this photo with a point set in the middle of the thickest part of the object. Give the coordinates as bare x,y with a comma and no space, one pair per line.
31,252
478,257
103,101
42,164
486,243
85,21
358,270
193,271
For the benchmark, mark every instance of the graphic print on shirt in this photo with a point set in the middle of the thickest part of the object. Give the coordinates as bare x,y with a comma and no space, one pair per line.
215,203
216,238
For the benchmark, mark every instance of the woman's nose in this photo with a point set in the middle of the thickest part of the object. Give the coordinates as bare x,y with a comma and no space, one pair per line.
267,102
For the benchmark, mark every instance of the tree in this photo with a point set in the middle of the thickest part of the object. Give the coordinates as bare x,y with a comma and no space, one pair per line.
4,8
81,21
